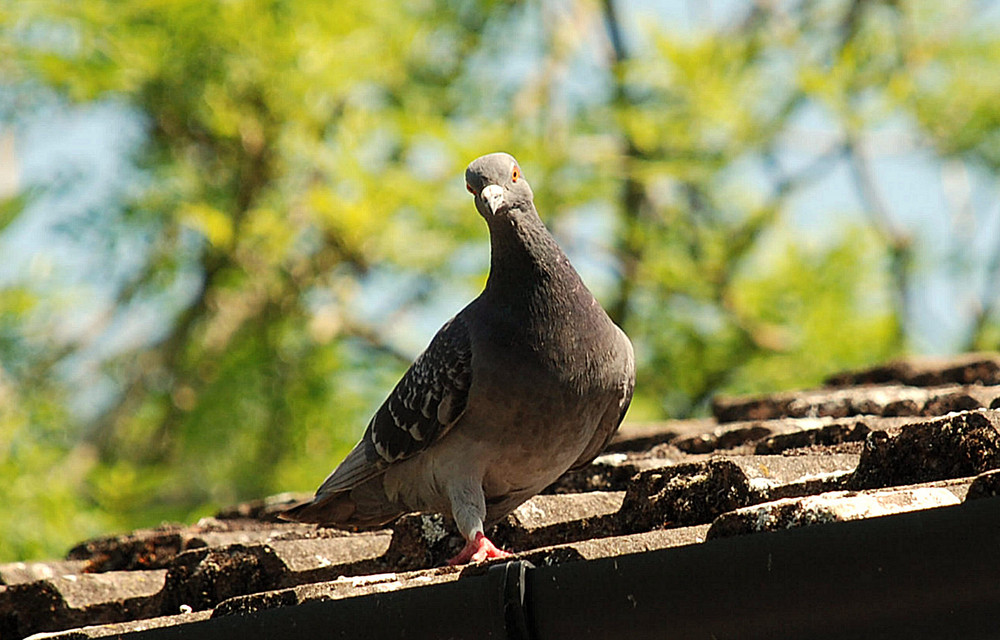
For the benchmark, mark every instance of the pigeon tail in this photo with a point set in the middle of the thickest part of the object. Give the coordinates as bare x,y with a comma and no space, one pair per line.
357,508
333,508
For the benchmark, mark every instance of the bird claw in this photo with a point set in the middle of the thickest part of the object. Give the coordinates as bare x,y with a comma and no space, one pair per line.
478,549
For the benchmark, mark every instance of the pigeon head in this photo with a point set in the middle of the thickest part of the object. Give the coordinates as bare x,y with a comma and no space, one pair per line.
498,185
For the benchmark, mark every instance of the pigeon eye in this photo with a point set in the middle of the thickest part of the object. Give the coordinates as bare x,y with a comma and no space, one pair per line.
516,174
468,187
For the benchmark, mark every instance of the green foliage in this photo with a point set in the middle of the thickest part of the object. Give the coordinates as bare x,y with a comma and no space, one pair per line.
820,308
42,473
306,226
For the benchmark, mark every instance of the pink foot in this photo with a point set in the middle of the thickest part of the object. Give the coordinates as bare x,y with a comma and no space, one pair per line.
478,549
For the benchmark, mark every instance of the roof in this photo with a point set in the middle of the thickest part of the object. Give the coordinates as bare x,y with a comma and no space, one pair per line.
866,505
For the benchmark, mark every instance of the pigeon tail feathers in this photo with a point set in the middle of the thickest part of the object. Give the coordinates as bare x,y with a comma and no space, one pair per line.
336,508
357,467
361,507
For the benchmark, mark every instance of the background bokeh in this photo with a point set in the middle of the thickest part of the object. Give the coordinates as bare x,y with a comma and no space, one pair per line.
227,226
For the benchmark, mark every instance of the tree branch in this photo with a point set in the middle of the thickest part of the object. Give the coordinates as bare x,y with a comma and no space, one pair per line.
896,239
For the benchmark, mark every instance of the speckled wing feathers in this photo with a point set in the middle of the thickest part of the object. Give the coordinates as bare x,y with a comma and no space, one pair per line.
429,399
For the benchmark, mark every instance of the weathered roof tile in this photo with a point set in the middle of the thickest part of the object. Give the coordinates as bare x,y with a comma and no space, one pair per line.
642,436
970,368
118,629
553,519
954,446
724,437
62,602
344,587
21,572
157,548
617,545
918,435
986,485
885,400
838,506
825,435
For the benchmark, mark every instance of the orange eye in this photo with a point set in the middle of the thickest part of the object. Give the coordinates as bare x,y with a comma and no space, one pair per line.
468,187
516,174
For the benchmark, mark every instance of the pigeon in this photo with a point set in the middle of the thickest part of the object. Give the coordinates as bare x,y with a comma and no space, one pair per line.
529,380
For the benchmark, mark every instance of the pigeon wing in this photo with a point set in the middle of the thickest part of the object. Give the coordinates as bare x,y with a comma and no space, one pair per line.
427,401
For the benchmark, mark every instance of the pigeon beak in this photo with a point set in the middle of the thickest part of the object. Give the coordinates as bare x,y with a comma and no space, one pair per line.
492,195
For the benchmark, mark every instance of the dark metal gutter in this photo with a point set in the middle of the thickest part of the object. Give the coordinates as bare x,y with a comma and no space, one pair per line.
925,574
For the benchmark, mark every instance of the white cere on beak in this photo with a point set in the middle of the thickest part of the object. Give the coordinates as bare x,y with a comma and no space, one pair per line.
492,195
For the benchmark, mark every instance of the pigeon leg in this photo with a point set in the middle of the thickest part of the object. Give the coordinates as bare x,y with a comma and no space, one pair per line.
468,506
477,550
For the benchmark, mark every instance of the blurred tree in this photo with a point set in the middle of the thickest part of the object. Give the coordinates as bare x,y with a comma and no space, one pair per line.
302,227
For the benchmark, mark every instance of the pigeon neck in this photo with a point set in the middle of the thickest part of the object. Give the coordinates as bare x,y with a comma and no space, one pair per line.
526,263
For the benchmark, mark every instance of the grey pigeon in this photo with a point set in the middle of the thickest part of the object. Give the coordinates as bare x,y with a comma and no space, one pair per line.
531,379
